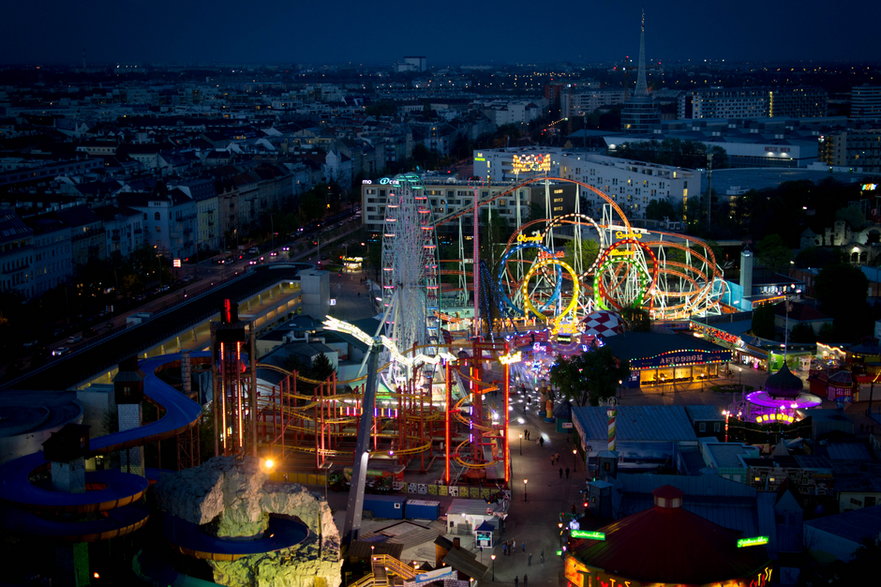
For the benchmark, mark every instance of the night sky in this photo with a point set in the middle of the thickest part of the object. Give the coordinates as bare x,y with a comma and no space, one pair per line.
381,31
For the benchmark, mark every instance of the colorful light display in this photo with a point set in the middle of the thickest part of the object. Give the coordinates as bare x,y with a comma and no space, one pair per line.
538,162
754,541
764,408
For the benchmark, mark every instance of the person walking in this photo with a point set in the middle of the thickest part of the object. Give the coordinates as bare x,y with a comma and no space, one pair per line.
541,557
516,580
567,472
525,580
541,441
561,472
529,560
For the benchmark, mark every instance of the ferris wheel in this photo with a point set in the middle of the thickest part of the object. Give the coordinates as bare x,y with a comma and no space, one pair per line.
409,265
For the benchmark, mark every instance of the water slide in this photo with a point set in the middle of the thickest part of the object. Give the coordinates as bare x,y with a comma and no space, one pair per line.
112,496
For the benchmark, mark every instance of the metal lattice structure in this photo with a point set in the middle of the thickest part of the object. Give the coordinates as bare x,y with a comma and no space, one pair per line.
409,266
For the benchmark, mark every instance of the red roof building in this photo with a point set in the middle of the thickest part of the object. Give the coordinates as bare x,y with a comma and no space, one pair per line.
666,545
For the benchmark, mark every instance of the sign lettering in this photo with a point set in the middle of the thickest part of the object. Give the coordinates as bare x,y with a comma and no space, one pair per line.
522,238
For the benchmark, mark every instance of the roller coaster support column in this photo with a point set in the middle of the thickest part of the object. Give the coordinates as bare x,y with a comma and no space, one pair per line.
448,409
355,503
475,273
506,383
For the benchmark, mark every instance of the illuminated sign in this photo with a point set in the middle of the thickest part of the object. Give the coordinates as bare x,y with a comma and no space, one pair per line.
754,541
717,334
529,163
549,255
617,253
869,187
480,158
681,358
430,576
622,234
510,359
176,263
587,534
535,238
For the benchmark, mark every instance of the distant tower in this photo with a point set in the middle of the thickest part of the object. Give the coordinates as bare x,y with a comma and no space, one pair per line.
642,88
640,115
746,278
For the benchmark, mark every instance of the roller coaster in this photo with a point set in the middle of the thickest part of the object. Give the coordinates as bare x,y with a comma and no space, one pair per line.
460,413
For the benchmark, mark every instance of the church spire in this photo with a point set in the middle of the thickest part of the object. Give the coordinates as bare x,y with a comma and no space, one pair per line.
641,85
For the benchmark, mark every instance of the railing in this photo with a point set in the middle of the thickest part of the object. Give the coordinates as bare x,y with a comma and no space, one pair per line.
383,565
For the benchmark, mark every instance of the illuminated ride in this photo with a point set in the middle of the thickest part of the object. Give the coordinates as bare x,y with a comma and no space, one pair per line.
409,266
671,276
781,401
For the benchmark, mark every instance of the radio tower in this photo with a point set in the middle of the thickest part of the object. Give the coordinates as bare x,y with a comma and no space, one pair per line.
639,115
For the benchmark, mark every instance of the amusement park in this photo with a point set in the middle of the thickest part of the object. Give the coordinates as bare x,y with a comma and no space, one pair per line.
458,365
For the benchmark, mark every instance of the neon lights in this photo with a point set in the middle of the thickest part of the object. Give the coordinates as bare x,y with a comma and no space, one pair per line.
775,417
754,541
535,238
511,358
576,289
528,163
587,534
619,234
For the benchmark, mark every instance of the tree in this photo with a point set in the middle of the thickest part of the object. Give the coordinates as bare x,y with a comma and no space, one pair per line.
763,322
660,210
589,377
321,368
773,253
802,332
590,249
841,290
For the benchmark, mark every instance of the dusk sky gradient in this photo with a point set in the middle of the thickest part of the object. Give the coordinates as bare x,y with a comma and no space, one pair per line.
380,32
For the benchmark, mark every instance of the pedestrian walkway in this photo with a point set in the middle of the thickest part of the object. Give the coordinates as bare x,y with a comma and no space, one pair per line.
542,492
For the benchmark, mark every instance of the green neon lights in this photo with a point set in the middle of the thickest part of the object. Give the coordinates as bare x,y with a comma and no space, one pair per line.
754,541
588,534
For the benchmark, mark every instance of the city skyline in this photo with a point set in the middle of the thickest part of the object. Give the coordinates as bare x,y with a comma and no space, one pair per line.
280,32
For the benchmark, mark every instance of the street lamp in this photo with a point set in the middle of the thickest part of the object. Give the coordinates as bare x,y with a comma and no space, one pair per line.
574,460
727,414
493,565
521,444
525,497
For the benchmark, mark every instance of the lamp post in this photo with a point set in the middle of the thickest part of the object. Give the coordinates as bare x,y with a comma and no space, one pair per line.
521,444
493,565
574,459
727,414
525,497
560,527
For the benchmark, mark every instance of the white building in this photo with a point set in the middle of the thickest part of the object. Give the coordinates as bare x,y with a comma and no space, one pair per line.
632,184
445,199
516,163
